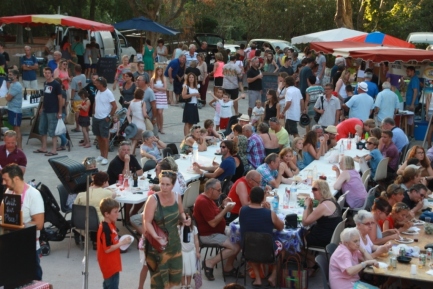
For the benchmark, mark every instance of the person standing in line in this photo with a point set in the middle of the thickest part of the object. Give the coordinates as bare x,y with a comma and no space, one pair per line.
14,98
148,57
77,83
254,79
161,51
304,75
159,87
386,103
412,93
330,108
29,65
232,73
294,105
78,47
321,61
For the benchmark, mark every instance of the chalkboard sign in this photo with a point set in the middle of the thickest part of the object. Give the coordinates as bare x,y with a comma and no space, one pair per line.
12,210
34,130
107,68
269,81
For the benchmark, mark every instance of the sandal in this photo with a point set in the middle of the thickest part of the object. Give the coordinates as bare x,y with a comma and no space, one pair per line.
61,149
38,151
208,272
50,154
270,285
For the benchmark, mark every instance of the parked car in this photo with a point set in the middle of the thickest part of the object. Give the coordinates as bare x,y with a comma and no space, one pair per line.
211,40
274,43
420,37
233,48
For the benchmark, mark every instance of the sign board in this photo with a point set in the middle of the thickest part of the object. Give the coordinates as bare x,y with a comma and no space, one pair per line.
269,81
107,68
12,210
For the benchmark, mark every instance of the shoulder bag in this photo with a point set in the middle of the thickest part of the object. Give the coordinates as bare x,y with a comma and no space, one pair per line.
186,100
147,121
318,115
161,232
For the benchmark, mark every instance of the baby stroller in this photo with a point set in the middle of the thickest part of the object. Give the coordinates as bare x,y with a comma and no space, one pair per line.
117,129
58,225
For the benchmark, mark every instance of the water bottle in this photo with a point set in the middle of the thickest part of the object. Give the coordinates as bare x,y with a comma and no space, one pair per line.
293,191
275,204
342,147
186,233
309,178
315,173
195,152
286,199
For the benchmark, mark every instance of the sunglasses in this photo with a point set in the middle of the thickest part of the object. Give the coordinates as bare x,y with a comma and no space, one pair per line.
314,189
369,143
168,173
196,127
273,119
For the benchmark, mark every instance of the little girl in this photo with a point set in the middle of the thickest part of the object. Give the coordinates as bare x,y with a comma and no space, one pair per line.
190,254
115,126
83,118
226,108
218,95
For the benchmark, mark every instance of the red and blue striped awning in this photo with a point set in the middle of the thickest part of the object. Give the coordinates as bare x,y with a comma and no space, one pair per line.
381,39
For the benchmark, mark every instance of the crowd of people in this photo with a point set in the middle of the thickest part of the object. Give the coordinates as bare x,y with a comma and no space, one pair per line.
260,150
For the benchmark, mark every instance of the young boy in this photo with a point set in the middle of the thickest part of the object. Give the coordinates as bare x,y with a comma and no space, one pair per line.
226,108
374,157
108,245
258,112
218,96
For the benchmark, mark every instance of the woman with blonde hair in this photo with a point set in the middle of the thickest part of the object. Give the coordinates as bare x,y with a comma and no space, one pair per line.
397,218
394,194
218,70
297,146
159,87
350,180
340,86
121,70
410,177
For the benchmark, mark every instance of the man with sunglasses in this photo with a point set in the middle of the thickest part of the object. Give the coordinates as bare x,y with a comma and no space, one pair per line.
414,198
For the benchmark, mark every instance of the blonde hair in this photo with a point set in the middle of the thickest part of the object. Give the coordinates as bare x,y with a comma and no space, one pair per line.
324,189
219,56
299,155
349,164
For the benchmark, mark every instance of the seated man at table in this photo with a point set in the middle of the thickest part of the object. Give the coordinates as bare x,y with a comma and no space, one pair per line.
280,131
331,136
389,150
255,218
123,163
220,171
414,198
399,137
211,226
272,172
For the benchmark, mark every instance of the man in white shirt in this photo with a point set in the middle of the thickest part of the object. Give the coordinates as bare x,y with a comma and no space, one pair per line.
329,109
386,103
294,105
32,204
105,107
360,104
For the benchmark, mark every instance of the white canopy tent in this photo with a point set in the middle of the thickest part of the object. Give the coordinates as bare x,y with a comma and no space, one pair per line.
337,34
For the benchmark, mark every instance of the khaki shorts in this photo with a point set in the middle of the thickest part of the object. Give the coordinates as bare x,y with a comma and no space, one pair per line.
75,104
217,239
168,84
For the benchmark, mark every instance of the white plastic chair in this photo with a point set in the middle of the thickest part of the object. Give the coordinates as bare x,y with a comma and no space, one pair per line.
191,194
382,169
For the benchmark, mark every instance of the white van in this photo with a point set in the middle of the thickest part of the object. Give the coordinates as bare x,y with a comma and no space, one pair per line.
420,37
110,43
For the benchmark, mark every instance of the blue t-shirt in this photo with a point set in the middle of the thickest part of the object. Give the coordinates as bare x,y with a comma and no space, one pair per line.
52,64
229,167
51,92
16,103
399,138
373,90
28,75
413,84
376,157
175,65
308,158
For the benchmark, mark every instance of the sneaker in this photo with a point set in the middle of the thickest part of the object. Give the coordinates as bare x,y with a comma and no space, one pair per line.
104,161
99,159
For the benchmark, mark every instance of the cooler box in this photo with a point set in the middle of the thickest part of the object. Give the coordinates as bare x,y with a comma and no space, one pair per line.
420,129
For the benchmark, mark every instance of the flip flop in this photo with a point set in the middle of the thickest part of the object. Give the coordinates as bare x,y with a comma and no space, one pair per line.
60,149
38,151
49,154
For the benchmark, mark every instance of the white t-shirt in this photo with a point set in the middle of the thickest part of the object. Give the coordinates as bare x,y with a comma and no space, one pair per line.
226,108
294,95
191,90
103,101
32,204
187,247
367,247
257,113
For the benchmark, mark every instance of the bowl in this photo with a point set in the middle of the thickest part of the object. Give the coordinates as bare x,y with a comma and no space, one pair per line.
404,259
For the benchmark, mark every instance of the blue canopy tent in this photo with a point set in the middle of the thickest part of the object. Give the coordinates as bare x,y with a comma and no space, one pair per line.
144,24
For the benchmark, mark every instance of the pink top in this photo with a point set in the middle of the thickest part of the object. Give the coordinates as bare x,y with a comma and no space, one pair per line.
357,193
219,69
342,259
64,76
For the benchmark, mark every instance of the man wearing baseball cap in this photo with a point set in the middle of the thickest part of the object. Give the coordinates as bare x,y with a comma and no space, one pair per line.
361,104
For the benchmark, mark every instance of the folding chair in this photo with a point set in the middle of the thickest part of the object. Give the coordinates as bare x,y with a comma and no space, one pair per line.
323,263
381,171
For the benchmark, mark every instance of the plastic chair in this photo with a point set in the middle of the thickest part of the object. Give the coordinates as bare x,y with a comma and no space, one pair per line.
225,185
173,148
190,195
78,220
370,198
212,246
381,171
336,235
167,152
323,263
258,248
149,165
403,154
342,200
344,216
365,177
330,248
63,195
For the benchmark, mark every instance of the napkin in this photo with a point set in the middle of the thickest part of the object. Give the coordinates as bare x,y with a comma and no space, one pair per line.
414,229
430,272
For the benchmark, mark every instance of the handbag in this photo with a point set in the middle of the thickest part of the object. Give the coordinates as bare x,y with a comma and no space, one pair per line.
318,115
148,123
198,281
70,118
186,100
161,232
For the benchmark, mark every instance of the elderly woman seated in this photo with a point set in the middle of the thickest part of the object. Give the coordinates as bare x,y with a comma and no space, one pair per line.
194,136
270,140
151,146
348,260
350,180
255,218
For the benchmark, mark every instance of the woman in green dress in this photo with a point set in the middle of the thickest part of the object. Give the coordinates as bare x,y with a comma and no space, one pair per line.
148,57
166,267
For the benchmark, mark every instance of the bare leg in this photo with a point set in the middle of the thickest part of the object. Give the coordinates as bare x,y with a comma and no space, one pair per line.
250,112
86,137
77,126
19,137
54,148
235,106
143,275
160,120
229,253
256,268
187,128
168,96
103,146
44,143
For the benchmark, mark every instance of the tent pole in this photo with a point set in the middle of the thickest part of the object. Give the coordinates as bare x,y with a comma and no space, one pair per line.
86,239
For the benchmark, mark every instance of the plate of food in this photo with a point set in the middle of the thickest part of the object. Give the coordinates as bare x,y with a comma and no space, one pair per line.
410,232
404,240
417,222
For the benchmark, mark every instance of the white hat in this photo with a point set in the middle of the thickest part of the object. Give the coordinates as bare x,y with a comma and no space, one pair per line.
220,44
331,129
363,86
413,166
244,117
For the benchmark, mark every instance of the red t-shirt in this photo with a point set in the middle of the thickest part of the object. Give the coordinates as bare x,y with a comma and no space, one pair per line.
348,126
205,210
390,222
234,196
110,263
82,111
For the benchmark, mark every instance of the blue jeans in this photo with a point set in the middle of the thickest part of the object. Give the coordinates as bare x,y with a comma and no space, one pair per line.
63,136
112,282
38,266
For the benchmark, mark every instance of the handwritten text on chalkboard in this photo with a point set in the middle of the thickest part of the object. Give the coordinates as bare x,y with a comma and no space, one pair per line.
12,209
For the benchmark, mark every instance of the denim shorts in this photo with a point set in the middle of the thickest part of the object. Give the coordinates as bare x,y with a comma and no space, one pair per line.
101,127
112,282
14,118
47,123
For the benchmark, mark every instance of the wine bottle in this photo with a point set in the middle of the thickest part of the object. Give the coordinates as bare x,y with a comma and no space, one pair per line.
186,233
25,93
135,177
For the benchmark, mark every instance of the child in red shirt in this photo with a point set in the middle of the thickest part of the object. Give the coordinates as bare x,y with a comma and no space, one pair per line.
108,245
83,118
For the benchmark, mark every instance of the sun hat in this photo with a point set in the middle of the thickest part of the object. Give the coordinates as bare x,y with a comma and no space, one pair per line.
331,129
363,86
244,117
130,131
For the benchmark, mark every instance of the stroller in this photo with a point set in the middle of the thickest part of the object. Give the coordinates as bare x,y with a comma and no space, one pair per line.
58,227
116,135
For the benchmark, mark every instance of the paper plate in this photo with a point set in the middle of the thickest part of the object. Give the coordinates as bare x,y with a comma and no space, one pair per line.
124,247
410,233
383,265
405,241
418,222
